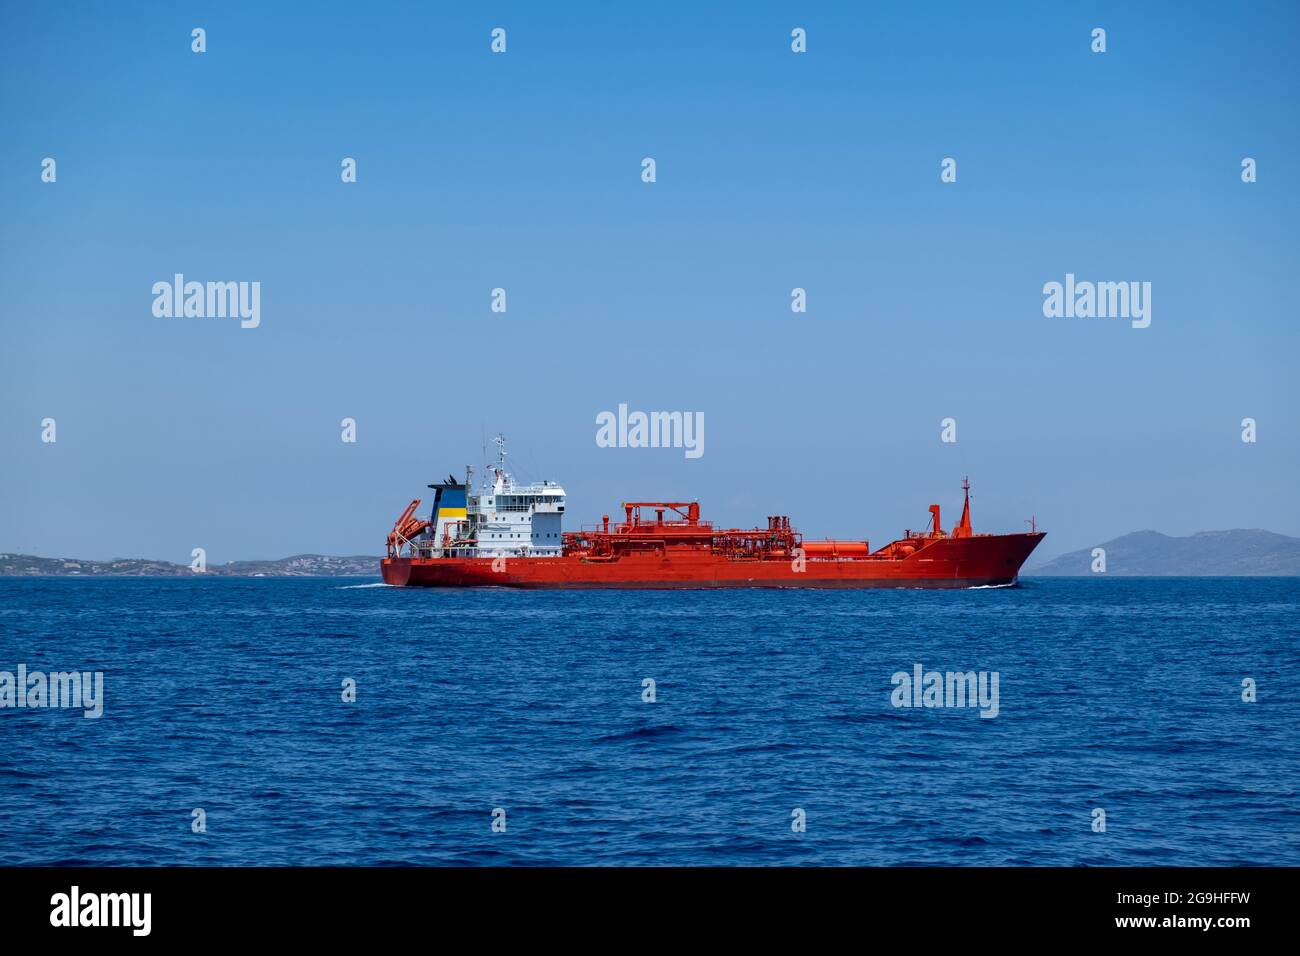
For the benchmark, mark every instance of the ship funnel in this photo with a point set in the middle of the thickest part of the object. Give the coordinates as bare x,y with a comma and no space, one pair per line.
449,509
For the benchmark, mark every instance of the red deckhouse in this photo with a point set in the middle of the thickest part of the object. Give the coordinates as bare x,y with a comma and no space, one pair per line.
509,535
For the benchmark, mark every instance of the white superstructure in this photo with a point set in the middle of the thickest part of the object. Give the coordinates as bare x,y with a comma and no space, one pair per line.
505,519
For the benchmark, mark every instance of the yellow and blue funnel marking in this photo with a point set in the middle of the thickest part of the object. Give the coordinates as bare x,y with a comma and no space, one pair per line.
448,502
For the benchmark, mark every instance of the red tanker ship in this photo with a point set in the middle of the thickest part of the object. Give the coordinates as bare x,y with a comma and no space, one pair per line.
510,535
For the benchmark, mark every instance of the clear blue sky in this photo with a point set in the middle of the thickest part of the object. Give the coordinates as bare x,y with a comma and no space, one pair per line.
522,171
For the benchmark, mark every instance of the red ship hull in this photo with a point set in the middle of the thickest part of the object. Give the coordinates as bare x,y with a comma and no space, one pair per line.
938,562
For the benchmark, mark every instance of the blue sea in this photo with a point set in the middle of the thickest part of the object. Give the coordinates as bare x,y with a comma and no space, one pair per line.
770,707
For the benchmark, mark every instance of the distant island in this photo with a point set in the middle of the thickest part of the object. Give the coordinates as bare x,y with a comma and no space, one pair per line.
1233,553
1142,553
298,566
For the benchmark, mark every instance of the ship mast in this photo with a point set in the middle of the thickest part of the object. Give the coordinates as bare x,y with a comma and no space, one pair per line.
499,471
962,530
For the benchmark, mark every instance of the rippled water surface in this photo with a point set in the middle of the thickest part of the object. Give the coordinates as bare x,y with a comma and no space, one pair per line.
225,694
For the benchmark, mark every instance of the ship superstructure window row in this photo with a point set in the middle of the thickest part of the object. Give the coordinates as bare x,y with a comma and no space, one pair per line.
523,502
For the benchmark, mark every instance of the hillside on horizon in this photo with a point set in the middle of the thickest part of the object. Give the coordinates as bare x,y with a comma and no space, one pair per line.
296,566
1238,552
